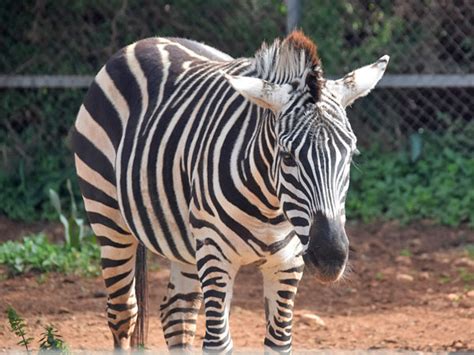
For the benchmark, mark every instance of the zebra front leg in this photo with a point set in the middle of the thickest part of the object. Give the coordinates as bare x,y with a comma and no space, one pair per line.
180,307
217,274
118,270
280,285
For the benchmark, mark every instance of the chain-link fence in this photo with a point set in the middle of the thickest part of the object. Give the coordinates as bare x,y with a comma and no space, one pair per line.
428,90
426,94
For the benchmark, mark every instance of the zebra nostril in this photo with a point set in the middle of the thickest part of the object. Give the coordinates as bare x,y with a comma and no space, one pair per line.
304,240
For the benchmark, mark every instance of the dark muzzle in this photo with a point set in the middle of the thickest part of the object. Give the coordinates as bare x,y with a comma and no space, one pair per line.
328,248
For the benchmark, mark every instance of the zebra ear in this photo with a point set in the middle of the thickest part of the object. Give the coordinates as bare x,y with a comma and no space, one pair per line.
359,82
261,92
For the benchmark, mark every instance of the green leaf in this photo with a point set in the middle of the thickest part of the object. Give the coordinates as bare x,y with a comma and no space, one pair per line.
54,198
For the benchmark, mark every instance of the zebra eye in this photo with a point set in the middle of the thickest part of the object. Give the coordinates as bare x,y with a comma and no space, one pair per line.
288,159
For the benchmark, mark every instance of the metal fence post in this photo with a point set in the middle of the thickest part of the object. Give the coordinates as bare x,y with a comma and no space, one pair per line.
293,16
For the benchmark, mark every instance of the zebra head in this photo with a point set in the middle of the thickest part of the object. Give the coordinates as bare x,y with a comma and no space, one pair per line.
314,146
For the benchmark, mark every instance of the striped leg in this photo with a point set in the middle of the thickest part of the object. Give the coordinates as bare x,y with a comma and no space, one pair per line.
118,254
180,307
280,286
118,270
217,275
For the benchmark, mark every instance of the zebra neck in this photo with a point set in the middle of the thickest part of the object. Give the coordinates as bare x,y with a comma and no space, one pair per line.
256,163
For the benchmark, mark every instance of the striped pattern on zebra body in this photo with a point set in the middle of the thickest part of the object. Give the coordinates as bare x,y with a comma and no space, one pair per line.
214,163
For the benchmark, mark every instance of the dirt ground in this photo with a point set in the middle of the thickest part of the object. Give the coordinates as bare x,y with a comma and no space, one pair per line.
411,288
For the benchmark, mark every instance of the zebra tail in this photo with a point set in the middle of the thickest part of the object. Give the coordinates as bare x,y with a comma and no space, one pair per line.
141,291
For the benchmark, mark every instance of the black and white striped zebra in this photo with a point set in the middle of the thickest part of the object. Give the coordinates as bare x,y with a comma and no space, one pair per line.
215,163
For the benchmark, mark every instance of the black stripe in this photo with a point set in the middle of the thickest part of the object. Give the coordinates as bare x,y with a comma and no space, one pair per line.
108,263
91,192
98,218
188,297
121,307
114,279
92,156
190,275
104,242
104,113
121,291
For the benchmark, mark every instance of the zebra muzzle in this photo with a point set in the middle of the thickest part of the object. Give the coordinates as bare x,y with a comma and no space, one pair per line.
328,249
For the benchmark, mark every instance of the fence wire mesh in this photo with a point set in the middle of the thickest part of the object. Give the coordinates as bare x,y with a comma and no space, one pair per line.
431,39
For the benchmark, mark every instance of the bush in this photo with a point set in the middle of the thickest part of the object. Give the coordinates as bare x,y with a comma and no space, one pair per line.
37,254
390,185
34,153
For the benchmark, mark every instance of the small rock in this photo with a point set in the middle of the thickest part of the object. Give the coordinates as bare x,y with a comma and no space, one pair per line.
99,294
416,243
464,262
403,260
452,297
313,318
63,310
237,309
466,303
404,277
470,294
424,256
458,345
424,275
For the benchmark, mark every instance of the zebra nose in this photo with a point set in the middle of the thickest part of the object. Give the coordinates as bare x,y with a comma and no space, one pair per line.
328,248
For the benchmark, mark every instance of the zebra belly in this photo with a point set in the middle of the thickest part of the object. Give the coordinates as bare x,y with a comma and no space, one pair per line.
153,202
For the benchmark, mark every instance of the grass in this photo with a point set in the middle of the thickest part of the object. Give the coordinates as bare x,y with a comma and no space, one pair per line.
36,253
405,252
470,251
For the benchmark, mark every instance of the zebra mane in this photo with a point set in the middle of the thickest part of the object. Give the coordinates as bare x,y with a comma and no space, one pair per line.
285,61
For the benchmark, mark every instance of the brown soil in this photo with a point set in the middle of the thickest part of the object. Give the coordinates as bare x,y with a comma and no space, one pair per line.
411,288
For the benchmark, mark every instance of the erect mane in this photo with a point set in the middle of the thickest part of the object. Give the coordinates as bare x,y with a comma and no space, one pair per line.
293,58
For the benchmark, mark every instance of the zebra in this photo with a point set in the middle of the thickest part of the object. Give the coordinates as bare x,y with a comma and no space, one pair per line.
215,163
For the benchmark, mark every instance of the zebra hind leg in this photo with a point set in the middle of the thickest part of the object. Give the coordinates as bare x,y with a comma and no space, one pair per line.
280,286
118,271
180,306
118,249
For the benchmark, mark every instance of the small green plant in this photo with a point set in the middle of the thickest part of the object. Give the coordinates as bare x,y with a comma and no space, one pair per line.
466,276
74,227
391,186
470,251
379,276
444,279
405,252
37,254
52,341
17,326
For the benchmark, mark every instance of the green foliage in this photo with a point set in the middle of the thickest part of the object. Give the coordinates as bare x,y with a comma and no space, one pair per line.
389,185
52,341
88,32
466,275
36,253
34,156
350,34
470,251
17,326
74,228
405,252
379,276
